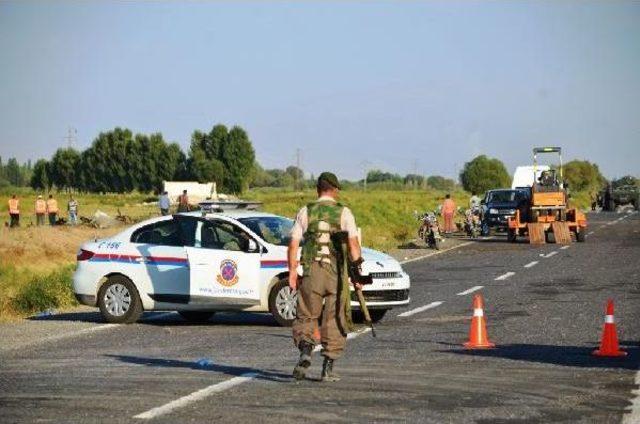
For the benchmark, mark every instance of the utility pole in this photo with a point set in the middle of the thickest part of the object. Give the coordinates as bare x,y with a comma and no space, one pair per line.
365,164
298,166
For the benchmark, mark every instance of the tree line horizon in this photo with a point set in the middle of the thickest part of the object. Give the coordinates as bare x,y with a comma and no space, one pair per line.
119,161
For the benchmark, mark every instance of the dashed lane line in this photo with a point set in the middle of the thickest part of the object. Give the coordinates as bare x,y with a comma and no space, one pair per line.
437,252
471,290
505,276
550,254
530,264
196,396
421,309
565,247
589,233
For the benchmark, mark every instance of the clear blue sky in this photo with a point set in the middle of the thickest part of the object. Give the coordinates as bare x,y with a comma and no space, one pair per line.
396,84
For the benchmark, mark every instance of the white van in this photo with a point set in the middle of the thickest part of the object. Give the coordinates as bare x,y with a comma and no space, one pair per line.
523,177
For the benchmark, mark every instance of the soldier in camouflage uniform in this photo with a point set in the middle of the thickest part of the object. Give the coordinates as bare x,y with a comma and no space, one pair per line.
331,236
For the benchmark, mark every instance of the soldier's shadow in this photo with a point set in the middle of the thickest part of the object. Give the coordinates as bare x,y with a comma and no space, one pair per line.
213,367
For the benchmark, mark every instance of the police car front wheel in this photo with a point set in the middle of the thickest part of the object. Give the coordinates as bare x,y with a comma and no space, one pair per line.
119,301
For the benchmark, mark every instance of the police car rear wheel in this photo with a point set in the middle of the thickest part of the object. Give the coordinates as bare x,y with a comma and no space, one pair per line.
119,301
283,303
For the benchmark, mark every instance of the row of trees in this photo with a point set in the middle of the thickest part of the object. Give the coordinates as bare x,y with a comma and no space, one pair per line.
377,178
14,174
483,173
119,161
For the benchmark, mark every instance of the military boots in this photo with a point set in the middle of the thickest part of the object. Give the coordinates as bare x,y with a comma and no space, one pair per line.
304,362
327,371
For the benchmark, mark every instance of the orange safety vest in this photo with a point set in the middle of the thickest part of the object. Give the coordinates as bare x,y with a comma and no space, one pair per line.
52,205
41,206
448,207
14,206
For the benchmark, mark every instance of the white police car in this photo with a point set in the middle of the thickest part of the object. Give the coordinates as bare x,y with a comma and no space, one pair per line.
198,264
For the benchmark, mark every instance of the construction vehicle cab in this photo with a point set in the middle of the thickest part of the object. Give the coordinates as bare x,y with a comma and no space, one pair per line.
548,217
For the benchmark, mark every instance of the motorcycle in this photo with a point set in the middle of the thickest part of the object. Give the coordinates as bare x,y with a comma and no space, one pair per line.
429,229
473,222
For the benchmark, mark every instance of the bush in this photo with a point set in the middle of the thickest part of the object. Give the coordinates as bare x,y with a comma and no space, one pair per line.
583,175
45,292
483,173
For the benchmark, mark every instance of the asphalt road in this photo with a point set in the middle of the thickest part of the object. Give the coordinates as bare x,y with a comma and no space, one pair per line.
545,319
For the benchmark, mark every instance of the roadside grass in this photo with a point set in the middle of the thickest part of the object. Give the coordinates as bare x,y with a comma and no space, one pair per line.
24,292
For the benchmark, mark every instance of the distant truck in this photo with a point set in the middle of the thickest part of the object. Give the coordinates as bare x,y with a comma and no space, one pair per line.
524,176
610,198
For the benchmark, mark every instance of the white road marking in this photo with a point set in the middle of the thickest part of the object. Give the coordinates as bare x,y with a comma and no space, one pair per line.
350,336
505,276
633,416
565,247
437,252
196,396
530,264
421,309
589,233
471,290
550,254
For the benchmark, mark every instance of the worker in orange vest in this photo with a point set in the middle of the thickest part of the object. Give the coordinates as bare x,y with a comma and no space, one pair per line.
41,209
14,211
52,209
448,209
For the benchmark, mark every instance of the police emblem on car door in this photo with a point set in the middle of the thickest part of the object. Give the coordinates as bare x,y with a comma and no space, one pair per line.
224,265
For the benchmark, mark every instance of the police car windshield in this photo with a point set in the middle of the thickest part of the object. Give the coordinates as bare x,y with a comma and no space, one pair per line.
273,229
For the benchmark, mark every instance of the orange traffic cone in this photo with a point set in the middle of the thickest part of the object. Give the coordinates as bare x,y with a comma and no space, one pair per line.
478,333
609,344
316,334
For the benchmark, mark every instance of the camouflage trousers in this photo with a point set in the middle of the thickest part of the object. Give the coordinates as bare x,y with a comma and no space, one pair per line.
318,298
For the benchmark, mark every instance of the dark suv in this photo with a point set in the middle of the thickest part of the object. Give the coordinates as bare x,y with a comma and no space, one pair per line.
498,205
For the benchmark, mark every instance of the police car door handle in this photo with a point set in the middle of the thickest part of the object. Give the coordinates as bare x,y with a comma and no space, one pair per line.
141,260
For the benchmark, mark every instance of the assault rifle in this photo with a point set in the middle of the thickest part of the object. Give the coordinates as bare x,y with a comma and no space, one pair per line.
355,274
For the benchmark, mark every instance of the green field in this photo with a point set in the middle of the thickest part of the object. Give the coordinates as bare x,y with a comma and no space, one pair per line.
385,216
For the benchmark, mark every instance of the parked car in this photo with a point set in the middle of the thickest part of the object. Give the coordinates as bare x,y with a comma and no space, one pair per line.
199,263
499,205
